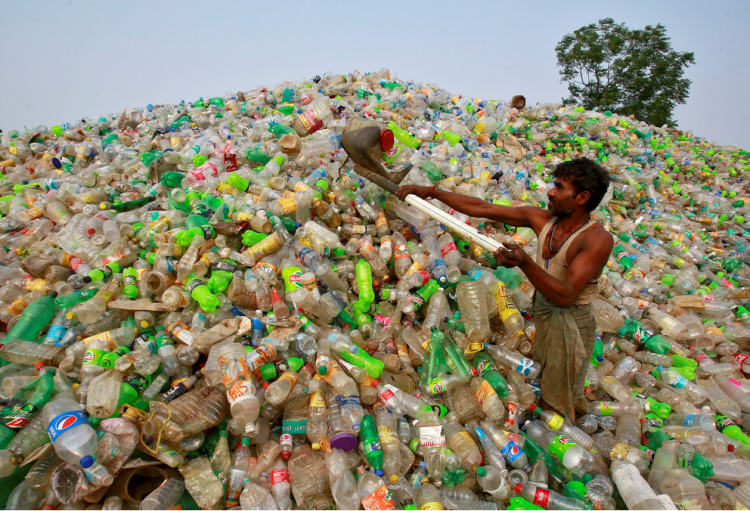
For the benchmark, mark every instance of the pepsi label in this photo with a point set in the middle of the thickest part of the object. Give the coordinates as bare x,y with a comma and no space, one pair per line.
64,422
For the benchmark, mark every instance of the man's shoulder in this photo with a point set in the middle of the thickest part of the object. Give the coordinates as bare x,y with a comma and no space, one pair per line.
598,234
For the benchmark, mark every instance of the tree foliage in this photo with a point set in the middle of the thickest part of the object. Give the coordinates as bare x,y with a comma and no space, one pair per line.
631,72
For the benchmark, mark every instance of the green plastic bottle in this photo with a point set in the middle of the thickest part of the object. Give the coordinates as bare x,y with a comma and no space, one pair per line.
456,360
33,320
371,444
133,204
403,136
256,156
24,405
726,426
172,179
271,370
102,273
74,298
641,334
700,467
363,271
222,274
424,293
130,280
361,359
485,367
622,256
201,294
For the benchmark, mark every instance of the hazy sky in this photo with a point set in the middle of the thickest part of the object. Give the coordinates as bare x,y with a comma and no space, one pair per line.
65,59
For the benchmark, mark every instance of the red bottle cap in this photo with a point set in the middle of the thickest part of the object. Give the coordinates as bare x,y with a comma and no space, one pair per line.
386,140
519,488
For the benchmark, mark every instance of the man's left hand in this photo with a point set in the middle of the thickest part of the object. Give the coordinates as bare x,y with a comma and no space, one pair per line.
510,255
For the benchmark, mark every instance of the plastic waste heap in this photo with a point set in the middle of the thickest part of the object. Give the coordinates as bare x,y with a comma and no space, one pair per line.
210,288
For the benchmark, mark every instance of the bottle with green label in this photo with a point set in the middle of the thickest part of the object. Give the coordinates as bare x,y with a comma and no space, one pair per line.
622,256
17,413
371,443
485,367
641,334
726,426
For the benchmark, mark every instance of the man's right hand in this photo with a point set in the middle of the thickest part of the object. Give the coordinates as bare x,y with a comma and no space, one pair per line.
423,192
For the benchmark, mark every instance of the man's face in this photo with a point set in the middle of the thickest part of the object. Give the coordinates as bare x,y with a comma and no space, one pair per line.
561,198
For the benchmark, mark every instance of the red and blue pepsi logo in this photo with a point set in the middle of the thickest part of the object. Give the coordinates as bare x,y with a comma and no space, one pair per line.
64,422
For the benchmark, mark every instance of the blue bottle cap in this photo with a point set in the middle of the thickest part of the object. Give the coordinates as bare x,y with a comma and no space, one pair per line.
379,472
87,461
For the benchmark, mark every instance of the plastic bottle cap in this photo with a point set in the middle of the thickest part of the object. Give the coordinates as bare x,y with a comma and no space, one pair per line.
323,370
316,446
354,349
379,472
87,461
286,455
394,478
144,324
481,471
659,368
519,487
223,433
38,365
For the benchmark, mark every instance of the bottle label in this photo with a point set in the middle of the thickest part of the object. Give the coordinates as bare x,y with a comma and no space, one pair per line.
64,422
525,366
680,382
556,422
234,488
56,332
294,427
387,435
348,400
541,497
137,381
511,451
17,414
386,395
436,386
447,248
194,284
740,358
280,475
605,407
400,251
237,378
93,357
620,451
689,420
484,391
642,334
723,422
431,436
310,120
484,366
379,499
224,266
288,205
559,446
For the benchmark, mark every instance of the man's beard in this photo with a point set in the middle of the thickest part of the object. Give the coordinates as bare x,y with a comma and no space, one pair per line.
561,210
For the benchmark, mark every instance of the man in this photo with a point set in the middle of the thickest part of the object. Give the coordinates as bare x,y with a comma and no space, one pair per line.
572,251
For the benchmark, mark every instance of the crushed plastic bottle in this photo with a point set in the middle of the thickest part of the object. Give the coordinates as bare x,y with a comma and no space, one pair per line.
215,285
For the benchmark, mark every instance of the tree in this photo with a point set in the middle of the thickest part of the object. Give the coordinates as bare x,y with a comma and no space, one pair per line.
630,72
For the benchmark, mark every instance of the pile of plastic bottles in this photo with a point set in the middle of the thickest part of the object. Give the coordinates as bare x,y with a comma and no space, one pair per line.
207,307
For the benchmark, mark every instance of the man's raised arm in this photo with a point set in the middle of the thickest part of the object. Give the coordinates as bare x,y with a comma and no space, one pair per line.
526,216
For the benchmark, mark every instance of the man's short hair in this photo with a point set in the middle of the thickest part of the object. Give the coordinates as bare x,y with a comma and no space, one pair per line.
585,176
